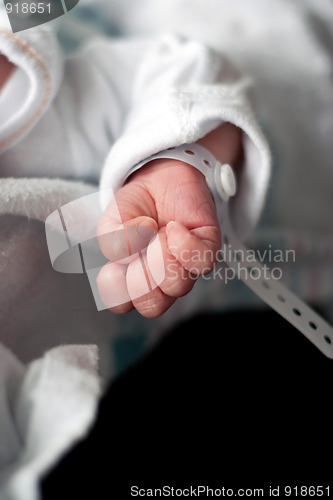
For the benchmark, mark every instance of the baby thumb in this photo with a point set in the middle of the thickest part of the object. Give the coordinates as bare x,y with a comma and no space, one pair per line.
123,243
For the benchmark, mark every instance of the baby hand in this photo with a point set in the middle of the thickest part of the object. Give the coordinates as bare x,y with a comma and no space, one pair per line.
170,197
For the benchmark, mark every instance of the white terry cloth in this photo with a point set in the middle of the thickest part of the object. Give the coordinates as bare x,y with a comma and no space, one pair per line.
45,407
286,48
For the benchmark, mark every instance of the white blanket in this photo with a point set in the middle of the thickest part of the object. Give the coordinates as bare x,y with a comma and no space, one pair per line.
48,394
43,407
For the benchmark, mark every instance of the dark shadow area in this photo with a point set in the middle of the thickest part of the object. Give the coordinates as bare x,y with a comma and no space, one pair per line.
238,400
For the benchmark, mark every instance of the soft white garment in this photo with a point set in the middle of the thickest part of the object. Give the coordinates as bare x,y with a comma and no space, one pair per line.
43,407
120,101
91,116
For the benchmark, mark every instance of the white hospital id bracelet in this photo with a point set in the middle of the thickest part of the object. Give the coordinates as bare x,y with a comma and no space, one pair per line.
222,183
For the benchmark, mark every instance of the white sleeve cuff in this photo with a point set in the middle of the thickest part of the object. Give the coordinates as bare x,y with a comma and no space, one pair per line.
176,122
181,91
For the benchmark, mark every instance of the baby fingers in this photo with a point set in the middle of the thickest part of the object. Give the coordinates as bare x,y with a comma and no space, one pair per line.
173,279
119,242
195,250
112,287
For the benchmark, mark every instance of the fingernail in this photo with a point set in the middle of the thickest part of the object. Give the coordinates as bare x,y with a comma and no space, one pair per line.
145,232
169,224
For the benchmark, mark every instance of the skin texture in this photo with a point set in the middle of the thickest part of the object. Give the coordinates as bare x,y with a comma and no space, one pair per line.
171,197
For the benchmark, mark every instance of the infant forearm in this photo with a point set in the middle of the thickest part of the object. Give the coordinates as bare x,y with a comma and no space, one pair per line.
225,143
